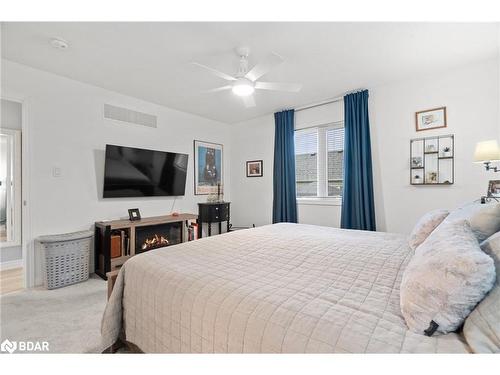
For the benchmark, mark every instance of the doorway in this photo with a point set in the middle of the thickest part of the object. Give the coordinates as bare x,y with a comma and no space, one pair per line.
11,254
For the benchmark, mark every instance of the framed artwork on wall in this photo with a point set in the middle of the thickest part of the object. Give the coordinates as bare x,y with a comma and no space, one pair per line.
254,168
430,119
494,189
208,167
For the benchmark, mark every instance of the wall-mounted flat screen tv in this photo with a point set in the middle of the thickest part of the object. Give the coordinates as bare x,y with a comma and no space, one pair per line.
136,172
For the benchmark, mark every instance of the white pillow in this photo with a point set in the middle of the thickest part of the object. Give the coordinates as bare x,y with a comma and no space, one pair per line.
484,219
445,279
482,326
425,226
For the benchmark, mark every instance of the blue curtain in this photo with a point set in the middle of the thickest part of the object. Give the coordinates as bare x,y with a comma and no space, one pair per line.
358,211
284,198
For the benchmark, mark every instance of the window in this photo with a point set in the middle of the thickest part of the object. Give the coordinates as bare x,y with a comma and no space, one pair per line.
319,161
306,163
335,161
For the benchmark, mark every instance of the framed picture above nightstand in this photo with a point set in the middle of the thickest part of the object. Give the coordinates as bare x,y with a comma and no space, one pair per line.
208,167
432,160
254,168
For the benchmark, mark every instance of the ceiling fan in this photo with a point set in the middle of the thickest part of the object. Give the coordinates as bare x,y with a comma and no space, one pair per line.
245,82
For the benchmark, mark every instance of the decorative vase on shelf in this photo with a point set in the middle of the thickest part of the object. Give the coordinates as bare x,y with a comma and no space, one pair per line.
212,198
432,178
446,152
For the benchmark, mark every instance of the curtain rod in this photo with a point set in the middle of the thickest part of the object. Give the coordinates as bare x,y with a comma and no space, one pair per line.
328,101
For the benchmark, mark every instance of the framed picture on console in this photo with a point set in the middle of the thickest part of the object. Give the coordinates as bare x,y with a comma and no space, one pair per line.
208,167
134,214
254,168
494,189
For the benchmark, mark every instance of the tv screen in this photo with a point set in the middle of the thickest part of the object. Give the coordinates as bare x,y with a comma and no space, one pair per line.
135,172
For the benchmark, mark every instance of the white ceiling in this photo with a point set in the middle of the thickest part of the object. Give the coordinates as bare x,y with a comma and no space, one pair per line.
151,61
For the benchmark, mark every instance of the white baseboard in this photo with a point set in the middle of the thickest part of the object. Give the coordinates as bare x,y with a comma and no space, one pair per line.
11,264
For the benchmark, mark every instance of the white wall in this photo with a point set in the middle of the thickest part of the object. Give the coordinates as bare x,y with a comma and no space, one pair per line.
252,198
11,118
66,129
471,97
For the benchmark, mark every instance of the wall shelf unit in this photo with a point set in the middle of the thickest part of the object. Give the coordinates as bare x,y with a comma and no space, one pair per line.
432,160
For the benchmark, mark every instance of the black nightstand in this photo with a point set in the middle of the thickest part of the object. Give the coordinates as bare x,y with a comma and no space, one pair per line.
213,213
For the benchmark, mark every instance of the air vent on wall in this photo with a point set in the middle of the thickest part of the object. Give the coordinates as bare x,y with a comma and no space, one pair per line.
112,112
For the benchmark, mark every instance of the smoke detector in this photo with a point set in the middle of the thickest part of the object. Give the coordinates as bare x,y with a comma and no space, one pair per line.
59,43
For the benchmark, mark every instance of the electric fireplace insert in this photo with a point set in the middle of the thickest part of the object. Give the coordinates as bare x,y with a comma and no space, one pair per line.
155,236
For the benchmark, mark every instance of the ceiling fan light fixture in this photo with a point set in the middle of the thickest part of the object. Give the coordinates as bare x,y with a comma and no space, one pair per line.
243,87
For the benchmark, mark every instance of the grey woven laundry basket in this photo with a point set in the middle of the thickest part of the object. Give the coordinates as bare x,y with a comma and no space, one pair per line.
66,258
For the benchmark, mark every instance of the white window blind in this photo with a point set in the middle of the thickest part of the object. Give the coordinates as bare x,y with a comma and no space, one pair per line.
306,162
335,161
335,139
319,161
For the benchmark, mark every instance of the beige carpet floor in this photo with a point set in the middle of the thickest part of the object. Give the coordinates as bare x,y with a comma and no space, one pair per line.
68,318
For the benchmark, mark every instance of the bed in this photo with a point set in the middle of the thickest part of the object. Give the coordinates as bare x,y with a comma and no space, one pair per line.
282,288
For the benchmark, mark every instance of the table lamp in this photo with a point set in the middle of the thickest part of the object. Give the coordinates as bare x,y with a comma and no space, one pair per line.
486,153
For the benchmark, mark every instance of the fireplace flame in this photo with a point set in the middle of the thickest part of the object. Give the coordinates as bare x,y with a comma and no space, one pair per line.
154,242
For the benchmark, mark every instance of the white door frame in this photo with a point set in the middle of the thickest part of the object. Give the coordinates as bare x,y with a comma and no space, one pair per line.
27,244
14,198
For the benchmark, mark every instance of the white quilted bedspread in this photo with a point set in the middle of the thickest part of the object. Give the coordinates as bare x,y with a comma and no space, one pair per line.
280,288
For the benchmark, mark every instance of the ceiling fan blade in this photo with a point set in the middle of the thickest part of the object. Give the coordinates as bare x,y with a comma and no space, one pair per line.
278,86
223,88
249,101
225,76
264,66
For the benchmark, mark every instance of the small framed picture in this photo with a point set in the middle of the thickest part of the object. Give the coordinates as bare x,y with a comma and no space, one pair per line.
494,189
134,214
430,119
254,168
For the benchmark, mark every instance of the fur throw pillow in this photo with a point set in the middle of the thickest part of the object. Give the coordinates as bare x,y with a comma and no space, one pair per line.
484,219
425,226
482,327
445,279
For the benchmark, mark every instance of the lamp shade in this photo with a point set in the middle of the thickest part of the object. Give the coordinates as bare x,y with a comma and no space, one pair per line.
487,151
